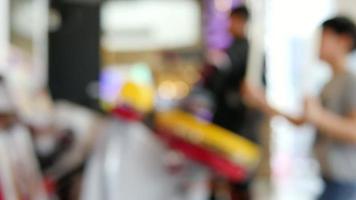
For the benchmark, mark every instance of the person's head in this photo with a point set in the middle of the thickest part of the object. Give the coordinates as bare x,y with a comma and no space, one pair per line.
239,18
338,38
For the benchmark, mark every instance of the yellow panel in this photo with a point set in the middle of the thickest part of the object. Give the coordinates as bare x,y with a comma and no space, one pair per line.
139,96
197,131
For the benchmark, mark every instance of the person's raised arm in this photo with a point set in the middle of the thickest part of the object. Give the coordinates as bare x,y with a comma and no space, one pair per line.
341,128
255,97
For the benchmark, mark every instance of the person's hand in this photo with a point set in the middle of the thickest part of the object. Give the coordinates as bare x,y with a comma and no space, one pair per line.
313,110
217,58
298,121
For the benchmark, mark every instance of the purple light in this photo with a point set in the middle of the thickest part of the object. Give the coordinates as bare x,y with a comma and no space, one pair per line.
216,24
111,80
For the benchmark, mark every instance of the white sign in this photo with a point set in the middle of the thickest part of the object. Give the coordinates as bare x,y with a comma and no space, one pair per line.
150,25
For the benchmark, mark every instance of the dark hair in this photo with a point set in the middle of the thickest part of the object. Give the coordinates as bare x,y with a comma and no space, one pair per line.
241,11
343,26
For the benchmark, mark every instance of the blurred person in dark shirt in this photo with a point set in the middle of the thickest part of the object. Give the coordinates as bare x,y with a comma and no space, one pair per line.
238,104
230,70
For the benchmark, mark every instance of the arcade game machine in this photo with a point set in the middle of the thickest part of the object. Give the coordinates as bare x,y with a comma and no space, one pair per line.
129,161
184,151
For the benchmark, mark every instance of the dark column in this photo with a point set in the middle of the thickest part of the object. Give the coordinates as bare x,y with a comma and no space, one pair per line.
74,58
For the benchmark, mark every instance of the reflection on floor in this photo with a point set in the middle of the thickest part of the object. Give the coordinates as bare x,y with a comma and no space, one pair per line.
295,173
301,184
